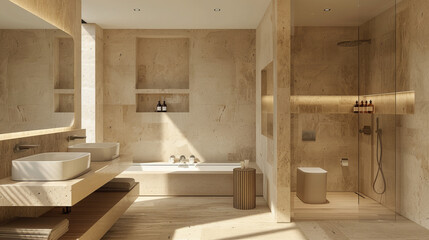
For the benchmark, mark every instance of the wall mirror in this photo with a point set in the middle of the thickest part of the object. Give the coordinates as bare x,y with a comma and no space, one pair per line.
36,72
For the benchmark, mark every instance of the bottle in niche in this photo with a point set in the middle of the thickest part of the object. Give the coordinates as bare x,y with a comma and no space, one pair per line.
356,107
159,107
164,107
370,107
361,107
365,108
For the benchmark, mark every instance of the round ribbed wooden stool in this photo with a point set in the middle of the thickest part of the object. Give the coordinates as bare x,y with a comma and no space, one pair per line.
244,188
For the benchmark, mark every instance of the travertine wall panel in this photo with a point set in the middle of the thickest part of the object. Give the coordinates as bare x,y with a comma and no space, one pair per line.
265,145
412,54
92,81
220,124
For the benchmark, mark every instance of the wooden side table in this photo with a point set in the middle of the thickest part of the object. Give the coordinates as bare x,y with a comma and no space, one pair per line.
244,188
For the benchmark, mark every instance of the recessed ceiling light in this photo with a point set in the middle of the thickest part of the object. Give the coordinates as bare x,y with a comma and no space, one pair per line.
137,9
217,9
327,9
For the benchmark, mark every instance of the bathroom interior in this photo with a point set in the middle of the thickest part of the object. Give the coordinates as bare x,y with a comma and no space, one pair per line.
244,119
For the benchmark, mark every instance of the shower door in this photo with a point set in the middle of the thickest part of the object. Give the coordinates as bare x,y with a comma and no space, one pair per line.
377,117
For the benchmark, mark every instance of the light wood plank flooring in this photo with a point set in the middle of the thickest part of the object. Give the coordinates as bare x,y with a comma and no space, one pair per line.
202,218
341,205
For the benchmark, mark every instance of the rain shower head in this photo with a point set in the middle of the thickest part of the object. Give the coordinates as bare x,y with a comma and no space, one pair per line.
354,43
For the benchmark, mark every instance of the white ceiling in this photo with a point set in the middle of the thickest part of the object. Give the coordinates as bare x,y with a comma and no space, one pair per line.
174,14
343,12
14,17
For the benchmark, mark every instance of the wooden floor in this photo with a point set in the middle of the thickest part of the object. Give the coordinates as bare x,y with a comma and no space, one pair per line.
341,205
203,218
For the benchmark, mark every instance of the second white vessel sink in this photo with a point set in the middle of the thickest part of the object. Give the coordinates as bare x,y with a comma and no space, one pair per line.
99,151
52,166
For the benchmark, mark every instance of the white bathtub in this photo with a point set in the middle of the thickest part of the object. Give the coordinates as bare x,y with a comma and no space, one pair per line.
201,179
183,168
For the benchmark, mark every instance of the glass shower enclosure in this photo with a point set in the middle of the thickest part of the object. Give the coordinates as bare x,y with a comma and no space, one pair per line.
343,105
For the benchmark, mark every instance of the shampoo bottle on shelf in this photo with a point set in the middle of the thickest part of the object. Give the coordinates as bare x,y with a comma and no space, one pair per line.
164,107
365,108
361,107
356,107
370,107
159,107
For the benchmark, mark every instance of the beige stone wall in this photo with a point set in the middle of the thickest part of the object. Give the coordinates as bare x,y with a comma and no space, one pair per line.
412,64
273,38
92,81
265,145
28,64
220,123
321,68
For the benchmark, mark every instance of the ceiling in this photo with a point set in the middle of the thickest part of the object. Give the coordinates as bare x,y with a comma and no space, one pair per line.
14,17
343,12
174,14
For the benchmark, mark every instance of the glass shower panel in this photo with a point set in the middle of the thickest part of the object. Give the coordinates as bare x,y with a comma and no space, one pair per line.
324,88
377,84
343,52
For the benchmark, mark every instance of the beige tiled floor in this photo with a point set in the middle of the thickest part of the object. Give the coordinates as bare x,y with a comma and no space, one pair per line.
180,218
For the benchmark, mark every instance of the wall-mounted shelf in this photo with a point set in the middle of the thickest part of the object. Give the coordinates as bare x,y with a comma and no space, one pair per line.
400,103
95,215
162,91
146,102
61,193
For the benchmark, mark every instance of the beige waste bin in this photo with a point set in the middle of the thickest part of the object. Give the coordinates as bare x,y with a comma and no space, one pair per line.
311,185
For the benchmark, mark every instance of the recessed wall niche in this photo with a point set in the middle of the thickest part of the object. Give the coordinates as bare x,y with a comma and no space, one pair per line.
63,75
162,63
63,63
267,100
175,102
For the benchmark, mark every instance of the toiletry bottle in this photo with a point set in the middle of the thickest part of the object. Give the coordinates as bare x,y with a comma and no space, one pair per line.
164,107
365,108
361,107
356,107
159,107
370,107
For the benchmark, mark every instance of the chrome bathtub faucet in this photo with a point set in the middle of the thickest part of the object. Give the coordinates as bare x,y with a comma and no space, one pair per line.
182,159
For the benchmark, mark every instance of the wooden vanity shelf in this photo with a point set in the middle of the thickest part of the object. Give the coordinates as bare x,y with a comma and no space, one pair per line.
92,217
61,193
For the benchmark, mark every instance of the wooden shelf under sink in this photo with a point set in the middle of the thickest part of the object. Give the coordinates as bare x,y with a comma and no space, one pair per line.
61,193
95,215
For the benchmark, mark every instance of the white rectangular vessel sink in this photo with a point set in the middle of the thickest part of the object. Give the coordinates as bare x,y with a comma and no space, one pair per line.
52,166
99,151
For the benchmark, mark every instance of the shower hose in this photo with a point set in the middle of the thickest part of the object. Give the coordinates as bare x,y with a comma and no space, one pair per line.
379,155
